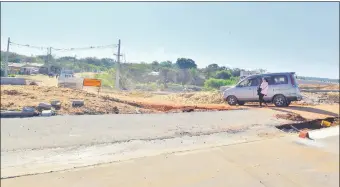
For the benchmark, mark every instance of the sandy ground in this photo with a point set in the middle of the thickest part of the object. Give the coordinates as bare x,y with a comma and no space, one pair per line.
271,162
109,101
16,97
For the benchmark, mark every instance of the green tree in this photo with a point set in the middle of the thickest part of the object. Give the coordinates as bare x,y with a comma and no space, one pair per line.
155,65
210,70
167,64
224,74
186,63
164,71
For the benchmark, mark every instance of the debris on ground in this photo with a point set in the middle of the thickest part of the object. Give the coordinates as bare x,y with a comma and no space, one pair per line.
19,96
28,109
188,110
62,100
47,113
77,103
44,106
33,83
325,123
56,104
291,116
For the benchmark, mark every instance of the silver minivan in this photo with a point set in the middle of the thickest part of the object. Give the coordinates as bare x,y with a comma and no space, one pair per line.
282,90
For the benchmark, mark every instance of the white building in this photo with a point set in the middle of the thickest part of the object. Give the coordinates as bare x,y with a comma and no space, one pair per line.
244,74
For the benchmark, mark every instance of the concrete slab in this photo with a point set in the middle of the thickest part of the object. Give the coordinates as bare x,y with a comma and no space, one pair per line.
324,132
274,162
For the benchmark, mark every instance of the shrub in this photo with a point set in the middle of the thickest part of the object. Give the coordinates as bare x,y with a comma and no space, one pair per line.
217,83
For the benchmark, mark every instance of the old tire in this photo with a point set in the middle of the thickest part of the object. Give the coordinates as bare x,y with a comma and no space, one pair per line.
241,103
280,101
232,100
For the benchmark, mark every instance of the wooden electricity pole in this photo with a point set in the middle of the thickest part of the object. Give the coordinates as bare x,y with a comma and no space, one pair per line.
6,58
118,66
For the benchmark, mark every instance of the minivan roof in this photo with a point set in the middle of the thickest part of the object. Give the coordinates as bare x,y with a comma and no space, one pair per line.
269,74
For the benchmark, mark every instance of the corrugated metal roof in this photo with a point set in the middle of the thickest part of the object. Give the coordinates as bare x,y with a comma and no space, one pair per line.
17,65
33,65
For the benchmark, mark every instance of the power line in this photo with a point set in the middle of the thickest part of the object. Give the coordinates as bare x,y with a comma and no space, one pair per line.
85,48
29,46
65,49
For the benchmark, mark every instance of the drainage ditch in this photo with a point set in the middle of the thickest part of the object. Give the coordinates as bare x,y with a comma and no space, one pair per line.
308,125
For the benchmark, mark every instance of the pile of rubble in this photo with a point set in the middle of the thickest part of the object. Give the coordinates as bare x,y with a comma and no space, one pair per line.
48,101
310,98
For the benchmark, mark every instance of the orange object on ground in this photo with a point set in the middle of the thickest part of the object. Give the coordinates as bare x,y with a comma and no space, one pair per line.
92,82
303,134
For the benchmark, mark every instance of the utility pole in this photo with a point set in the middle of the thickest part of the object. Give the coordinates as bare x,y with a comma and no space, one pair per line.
6,58
118,67
49,54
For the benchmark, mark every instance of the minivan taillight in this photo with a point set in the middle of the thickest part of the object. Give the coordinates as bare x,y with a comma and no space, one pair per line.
292,80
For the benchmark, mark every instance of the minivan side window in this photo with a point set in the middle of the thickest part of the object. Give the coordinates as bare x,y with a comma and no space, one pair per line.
279,79
249,82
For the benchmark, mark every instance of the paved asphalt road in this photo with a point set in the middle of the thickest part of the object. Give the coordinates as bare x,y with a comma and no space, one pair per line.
40,145
63,142
66,131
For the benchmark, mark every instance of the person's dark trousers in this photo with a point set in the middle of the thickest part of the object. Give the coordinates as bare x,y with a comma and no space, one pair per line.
261,98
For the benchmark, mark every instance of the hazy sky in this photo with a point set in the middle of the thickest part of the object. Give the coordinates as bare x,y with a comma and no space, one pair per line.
277,36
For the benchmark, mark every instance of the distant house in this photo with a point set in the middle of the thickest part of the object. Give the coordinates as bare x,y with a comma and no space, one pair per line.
14,68
154,73
31,68
244,74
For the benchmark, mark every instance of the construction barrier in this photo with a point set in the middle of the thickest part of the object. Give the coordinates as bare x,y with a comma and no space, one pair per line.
92,82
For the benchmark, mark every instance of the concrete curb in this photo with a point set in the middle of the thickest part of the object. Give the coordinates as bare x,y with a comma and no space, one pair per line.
16,114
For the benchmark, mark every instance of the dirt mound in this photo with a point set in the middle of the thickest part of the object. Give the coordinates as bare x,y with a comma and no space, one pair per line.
291,117
197,98
31,95
320,86
17,97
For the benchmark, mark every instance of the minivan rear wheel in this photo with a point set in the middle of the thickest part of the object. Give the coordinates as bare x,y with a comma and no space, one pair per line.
232,100
280,101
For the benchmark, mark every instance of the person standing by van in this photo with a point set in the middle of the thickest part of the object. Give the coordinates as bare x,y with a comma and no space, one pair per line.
263,91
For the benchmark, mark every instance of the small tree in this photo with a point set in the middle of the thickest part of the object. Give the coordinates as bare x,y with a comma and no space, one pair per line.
186,63
224,74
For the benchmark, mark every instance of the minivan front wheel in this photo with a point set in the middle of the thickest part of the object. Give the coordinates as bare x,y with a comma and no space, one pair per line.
232,100
280,101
